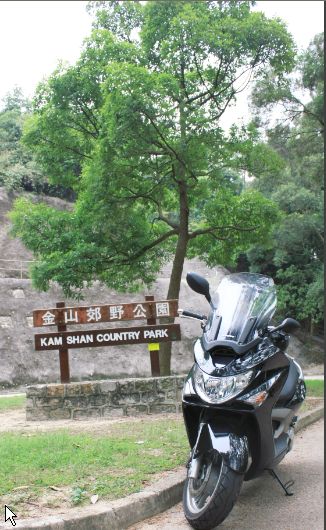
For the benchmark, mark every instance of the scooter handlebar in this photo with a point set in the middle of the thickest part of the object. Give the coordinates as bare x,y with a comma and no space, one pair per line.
190,314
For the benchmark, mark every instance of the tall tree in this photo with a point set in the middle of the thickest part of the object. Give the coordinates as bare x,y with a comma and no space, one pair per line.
296,256
147,153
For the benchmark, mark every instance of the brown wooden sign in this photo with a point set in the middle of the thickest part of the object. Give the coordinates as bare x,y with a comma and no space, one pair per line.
105,313
107,337
152,334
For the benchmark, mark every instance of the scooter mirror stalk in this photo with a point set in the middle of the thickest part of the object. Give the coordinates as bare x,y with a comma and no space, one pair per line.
199,285
289,325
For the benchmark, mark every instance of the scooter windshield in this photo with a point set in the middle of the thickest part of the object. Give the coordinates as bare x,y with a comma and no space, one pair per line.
244,304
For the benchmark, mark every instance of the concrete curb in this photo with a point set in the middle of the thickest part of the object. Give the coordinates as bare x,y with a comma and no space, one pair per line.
309,417
123,513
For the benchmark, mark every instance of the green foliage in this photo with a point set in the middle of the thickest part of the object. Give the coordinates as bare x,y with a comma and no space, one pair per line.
296,256
17,167
121,18
77,247
77,496
15,100
301,292
289,91
66,123
226,211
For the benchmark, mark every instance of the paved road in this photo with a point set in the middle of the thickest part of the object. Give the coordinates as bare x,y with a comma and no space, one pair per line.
262,504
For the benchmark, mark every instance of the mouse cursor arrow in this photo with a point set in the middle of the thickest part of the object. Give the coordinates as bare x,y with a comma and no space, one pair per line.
9,516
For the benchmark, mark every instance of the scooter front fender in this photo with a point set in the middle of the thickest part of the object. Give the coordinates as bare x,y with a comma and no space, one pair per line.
233,448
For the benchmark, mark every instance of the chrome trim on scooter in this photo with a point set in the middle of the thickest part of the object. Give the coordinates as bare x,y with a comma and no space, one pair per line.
188,388
301,376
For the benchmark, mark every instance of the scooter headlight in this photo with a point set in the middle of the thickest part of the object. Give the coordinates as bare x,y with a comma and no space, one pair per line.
220,389
258,395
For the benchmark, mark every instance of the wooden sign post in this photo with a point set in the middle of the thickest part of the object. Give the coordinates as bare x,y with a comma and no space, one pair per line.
151,334
63,353
153,347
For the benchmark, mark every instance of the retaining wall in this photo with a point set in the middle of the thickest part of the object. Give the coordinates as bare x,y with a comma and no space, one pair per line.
109,398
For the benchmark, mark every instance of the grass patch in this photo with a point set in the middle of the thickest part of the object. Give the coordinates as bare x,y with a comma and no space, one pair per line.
110,466
12,402
315,388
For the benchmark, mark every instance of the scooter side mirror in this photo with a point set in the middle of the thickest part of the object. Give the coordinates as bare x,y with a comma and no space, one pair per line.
199,285
289,325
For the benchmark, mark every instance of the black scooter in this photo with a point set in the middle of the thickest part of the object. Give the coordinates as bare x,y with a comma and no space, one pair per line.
241,397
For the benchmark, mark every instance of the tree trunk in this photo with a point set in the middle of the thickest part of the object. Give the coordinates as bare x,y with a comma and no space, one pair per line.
173,292
312,327
176,274
181,250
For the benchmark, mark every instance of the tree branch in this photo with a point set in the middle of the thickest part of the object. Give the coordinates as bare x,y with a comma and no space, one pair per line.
213,229
161,216
229,84
81,129
307,111
89,115
73,150
157,241
166,144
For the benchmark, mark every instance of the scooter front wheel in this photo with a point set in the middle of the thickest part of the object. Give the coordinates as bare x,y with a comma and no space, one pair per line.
208,499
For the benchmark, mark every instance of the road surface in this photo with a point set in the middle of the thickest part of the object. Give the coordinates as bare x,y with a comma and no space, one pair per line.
262,504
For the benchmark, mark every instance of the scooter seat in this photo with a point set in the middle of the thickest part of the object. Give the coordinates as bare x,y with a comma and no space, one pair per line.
289,388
